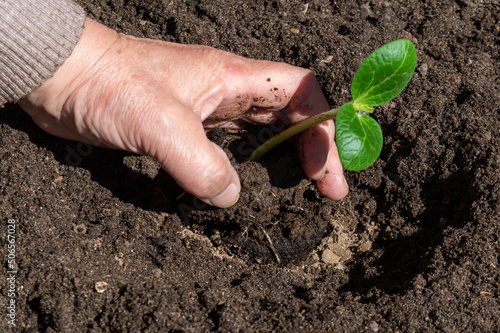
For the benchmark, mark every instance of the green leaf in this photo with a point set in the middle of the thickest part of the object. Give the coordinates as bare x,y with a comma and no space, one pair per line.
384,73
359,138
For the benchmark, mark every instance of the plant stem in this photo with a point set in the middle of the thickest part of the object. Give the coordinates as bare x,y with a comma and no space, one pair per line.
291,131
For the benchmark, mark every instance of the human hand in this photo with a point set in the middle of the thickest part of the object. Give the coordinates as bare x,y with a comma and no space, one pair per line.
152,97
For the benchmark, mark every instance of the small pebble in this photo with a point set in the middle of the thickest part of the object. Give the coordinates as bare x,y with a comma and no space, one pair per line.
423,69
374,326
294,30
327,60
101,286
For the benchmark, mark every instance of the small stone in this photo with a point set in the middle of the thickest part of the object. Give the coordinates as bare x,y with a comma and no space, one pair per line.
329,257
101,286
487,136
294,30
327,60
423,69
374,326
306,7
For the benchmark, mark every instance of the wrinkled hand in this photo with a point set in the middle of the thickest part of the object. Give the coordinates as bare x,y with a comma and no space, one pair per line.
152,97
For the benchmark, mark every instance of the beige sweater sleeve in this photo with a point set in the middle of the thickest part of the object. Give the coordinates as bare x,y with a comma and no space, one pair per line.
36,37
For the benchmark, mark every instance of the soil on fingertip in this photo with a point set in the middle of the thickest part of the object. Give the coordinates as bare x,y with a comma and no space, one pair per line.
106,241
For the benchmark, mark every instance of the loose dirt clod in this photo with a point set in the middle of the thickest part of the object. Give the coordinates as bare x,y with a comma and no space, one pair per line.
329,257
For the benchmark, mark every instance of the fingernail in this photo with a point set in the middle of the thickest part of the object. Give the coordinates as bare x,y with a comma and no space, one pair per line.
320,174
323,171
227,198
345,183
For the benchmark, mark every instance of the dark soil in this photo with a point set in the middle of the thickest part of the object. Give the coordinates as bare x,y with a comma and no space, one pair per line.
413,248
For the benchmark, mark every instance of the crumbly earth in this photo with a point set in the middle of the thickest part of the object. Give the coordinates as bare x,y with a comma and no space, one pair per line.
107,242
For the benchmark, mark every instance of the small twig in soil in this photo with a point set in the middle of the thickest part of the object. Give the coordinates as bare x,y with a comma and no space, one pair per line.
180,195
271,244
245,233
244,180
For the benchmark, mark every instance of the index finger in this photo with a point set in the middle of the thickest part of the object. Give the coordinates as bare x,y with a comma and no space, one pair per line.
317,149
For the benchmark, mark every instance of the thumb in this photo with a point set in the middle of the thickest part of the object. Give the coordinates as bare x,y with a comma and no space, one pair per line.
198,165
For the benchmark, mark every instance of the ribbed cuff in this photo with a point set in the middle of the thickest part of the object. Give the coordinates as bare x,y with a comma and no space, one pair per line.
36,37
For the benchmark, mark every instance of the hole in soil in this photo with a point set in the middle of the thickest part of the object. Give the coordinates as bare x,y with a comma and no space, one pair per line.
372,20
266,225
201,12
343,30
170,27
463,97
282,241
236,282
263,227
267,305
302,293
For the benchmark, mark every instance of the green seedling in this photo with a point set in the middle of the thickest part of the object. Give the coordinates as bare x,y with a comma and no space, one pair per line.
380,78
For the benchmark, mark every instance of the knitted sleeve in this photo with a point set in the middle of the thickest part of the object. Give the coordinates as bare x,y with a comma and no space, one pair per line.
35,39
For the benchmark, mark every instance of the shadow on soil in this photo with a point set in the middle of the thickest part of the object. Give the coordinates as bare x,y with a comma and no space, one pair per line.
106,166
448,204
